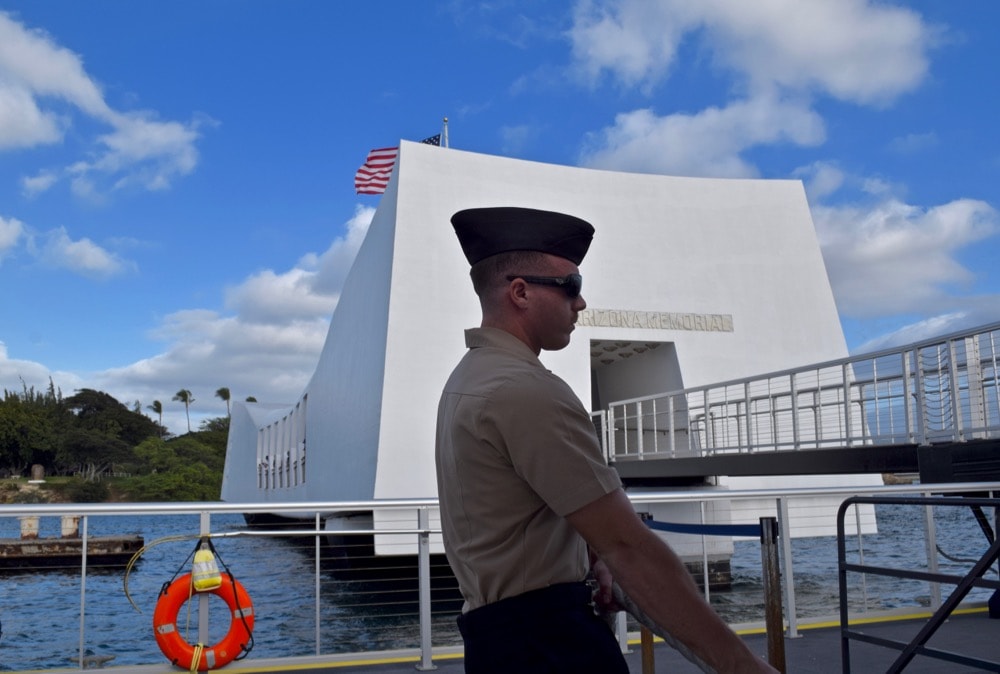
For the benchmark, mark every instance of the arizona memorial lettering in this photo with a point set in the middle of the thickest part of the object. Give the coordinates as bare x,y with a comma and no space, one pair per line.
655,320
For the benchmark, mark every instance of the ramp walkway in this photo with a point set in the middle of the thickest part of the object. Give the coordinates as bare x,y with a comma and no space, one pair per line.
931,408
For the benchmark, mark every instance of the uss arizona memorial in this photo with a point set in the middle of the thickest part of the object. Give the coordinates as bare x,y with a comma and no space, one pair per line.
689,281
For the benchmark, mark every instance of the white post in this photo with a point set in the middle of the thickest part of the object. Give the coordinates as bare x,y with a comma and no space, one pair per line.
203,597
444,133
83,591
785,522
424,580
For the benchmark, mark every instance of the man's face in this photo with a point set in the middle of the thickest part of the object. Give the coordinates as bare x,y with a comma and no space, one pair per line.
552,313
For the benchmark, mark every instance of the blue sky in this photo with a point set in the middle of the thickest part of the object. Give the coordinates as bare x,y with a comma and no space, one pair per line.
176,199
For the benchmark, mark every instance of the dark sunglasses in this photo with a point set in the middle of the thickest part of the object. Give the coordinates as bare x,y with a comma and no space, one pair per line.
571,284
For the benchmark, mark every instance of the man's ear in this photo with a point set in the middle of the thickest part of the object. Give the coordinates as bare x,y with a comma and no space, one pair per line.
517,292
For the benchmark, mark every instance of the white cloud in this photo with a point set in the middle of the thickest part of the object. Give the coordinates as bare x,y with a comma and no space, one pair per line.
82,256
11,231
267,347
517,138
332,266
33,60
706,144
22,122
820,179
146,152
779,54
16,373
139,149
307,291
269,297
33,186
914,142
636,42
854,50
894,258
979,314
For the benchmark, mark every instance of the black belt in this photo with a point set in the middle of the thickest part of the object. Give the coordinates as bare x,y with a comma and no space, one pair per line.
547,600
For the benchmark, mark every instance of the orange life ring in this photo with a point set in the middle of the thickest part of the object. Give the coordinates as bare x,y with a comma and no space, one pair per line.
179,651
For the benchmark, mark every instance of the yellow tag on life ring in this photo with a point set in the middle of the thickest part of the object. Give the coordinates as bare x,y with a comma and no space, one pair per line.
205,572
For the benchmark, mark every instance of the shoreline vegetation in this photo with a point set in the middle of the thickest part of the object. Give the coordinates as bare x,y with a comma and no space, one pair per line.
90,448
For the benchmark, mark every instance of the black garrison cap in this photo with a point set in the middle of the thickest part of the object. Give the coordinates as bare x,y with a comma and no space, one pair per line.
484,232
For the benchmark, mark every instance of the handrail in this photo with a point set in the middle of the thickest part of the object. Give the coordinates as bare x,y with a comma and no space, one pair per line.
941,390
312,514
300,508
963,584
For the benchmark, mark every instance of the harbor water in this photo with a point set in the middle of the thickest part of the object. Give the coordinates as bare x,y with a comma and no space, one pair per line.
40,610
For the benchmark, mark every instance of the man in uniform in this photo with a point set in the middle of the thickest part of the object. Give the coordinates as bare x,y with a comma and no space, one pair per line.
529,507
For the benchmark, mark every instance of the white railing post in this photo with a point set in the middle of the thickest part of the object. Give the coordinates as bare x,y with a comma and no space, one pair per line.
911,434
784,522
424,571
317,521
974,380
83,590
920,399
930,536
672,427
749,420
848,440
958,432
205,521
610,432
796,429
639,429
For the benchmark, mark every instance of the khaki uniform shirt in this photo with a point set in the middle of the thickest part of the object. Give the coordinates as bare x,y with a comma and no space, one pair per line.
516,452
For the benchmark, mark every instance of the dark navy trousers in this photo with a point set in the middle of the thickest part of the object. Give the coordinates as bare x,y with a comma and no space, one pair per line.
553,630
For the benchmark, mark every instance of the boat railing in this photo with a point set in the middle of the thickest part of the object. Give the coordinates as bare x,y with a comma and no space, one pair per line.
311,603
979,572
941,390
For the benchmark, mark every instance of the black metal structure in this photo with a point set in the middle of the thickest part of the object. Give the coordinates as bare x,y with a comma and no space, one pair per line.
962,584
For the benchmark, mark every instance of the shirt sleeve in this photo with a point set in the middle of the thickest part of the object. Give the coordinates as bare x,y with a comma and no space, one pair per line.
552,444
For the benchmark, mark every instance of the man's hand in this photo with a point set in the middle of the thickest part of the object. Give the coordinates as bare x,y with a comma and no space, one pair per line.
603,596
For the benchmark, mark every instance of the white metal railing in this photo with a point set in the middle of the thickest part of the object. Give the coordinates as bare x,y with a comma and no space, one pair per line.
941,390
305,608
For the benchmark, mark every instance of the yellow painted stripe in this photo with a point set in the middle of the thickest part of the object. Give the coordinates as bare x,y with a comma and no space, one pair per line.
856,621
632,642
366,662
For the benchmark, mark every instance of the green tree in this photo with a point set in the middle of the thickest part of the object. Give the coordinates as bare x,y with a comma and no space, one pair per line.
98,411
251,399
224,394
31,424
153,455
27,436
91,453
188,468
187,482
185,397
157,408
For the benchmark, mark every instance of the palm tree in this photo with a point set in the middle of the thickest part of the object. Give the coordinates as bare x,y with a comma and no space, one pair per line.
224,394
185,397
157,407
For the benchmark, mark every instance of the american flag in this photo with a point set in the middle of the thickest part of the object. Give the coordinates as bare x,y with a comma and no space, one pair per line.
374,174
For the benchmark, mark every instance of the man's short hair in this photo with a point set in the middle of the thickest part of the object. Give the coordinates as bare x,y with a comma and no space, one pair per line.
492,272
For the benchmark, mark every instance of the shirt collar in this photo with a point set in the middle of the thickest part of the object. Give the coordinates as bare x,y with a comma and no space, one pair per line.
500,339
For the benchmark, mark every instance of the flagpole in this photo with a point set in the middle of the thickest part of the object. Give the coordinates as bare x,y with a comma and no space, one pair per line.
444,134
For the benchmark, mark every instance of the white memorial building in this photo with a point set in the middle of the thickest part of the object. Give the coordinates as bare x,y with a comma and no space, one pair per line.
689,281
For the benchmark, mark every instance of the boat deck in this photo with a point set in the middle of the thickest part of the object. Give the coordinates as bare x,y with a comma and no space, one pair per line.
816,651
